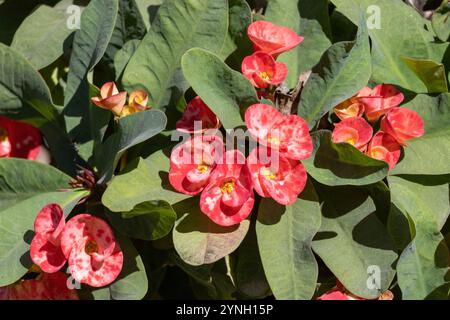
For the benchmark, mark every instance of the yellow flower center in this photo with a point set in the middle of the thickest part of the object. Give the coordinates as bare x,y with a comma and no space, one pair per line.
351,141
91,247
203,168
227,187
268,174
265,75
273,140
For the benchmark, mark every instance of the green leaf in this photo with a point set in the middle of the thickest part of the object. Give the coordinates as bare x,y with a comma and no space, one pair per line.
142,180
89,45
148,10
336,164
129,26
343,70
310,20
198,240
285,234
353,243
40,38
132,283
227,92
237,44
441,24
133,129
430,72
248,270
179,26
124,55
400,32
21,84
424,264
25,188
147,221
429,154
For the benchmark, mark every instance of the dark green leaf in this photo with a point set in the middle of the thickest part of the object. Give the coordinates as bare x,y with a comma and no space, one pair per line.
198,240
353,243
227,92
179,26
147,221
336,164
133,129
343,70
285,234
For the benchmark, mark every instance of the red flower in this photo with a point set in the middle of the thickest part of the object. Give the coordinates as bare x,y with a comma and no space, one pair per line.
355,131
110,98
403,124
275,176
380,100
47,286
192,163
263,71
385,148
19,140
228,199
95,258
272,39
197,110
45,250
340,293
289,134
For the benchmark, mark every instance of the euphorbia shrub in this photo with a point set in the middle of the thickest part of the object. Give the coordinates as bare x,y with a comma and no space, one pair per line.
285,149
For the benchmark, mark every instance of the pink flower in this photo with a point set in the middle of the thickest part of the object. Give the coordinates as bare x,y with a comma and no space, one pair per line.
228,199
355,131
380,100
197,111
95,257
385,148
19,140
47,286
192,163
403,124
263,71
289,135
275,176
272,39
110,98
45,249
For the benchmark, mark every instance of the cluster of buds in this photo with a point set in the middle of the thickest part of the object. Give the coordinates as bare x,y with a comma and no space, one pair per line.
111,98
86,242
398,124
269,41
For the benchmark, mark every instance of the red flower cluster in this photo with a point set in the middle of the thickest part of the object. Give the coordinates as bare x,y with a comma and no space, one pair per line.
86,242
226,179
269,41
398,125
